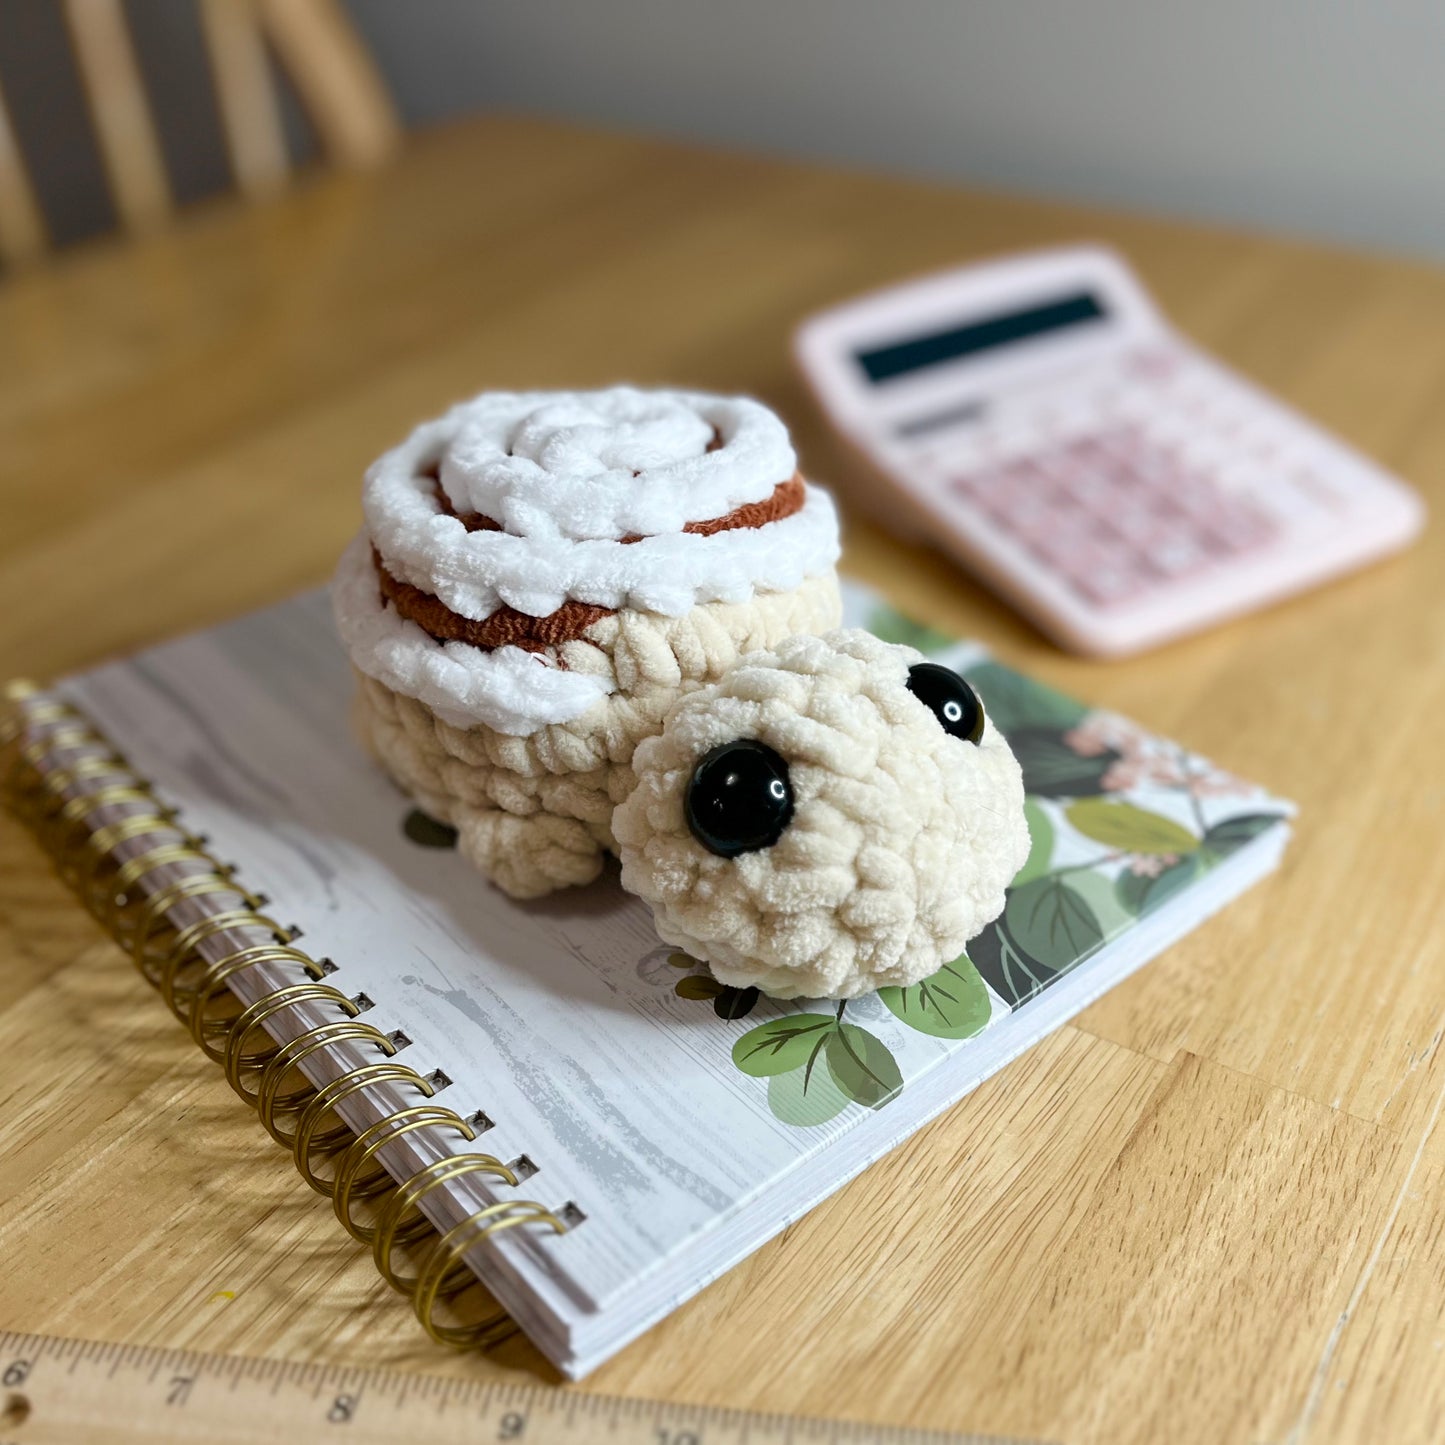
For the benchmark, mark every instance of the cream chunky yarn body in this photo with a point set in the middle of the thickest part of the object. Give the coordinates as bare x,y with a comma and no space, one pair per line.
534,812
563,605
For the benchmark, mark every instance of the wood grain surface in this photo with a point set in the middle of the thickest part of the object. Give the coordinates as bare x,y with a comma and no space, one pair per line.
1210,1209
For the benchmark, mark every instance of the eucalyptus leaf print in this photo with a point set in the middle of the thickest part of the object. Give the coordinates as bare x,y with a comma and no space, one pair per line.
781,1045
697,985
889,625
1050,920
1096,888
1019,704
1052,769
1121,823
862,1066
805,1100
727,1002
824,1060
1049,926
1142,890
950,1004
1006,968
735,1003
1041,843
1224,838
1129,829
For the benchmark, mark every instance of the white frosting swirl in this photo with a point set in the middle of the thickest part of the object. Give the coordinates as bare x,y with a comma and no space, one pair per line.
568,475
575,484
611,464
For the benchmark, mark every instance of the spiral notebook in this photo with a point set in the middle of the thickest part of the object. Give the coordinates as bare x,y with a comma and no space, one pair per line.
543,1097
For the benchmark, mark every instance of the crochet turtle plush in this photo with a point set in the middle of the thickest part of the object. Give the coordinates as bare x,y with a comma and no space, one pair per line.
607,622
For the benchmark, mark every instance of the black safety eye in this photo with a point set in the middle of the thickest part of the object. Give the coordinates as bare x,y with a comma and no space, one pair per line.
739,798
951,700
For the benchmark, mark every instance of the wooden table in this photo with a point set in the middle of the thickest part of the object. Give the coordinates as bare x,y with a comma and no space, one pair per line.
1212,1208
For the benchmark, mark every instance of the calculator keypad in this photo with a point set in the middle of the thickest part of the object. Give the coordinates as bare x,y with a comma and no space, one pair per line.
1115,512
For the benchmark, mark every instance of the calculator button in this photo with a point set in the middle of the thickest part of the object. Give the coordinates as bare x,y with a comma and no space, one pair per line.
1007,441
1319,489
1032,518
968,485
1129,507
1136,526
1285,501
1180,555
1240,529
1153,364
978,486
1095,491
1058,548
1110,586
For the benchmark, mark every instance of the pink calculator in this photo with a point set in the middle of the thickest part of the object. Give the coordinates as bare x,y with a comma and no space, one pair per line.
1038,418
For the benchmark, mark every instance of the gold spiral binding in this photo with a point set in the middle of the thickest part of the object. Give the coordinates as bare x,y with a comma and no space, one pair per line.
212,985
349,1182
52,709
307,1140
446,1263
104,841
58,833
72,735
20,712
58,774
38,796
292,1055
182,951
409,1197
150,917
116,897
254,1019
85,867
24,772
55,781
71,721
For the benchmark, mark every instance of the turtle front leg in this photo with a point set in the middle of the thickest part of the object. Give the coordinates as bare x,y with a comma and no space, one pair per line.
528,856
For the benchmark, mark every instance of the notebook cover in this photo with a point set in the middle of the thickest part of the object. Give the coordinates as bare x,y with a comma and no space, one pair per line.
648,1098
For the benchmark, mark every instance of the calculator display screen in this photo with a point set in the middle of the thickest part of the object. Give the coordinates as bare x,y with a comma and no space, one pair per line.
898,358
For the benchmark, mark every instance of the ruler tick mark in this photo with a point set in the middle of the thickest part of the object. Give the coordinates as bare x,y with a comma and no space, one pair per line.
277,1398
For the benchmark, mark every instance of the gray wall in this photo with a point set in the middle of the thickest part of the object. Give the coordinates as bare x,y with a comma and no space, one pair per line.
1319,116
1309,115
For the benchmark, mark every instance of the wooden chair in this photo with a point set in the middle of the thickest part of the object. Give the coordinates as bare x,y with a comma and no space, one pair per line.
312,39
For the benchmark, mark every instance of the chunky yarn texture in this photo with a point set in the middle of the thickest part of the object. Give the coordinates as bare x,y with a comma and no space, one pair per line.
561,602
901,844
534,813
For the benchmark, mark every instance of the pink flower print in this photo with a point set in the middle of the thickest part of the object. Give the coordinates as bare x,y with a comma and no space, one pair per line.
1103,732
1218,784
1164,771
1152,865
1121,776
1086,740
1146,761
1108,732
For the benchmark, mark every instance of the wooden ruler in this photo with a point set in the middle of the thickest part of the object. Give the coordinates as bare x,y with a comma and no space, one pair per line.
75,1392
